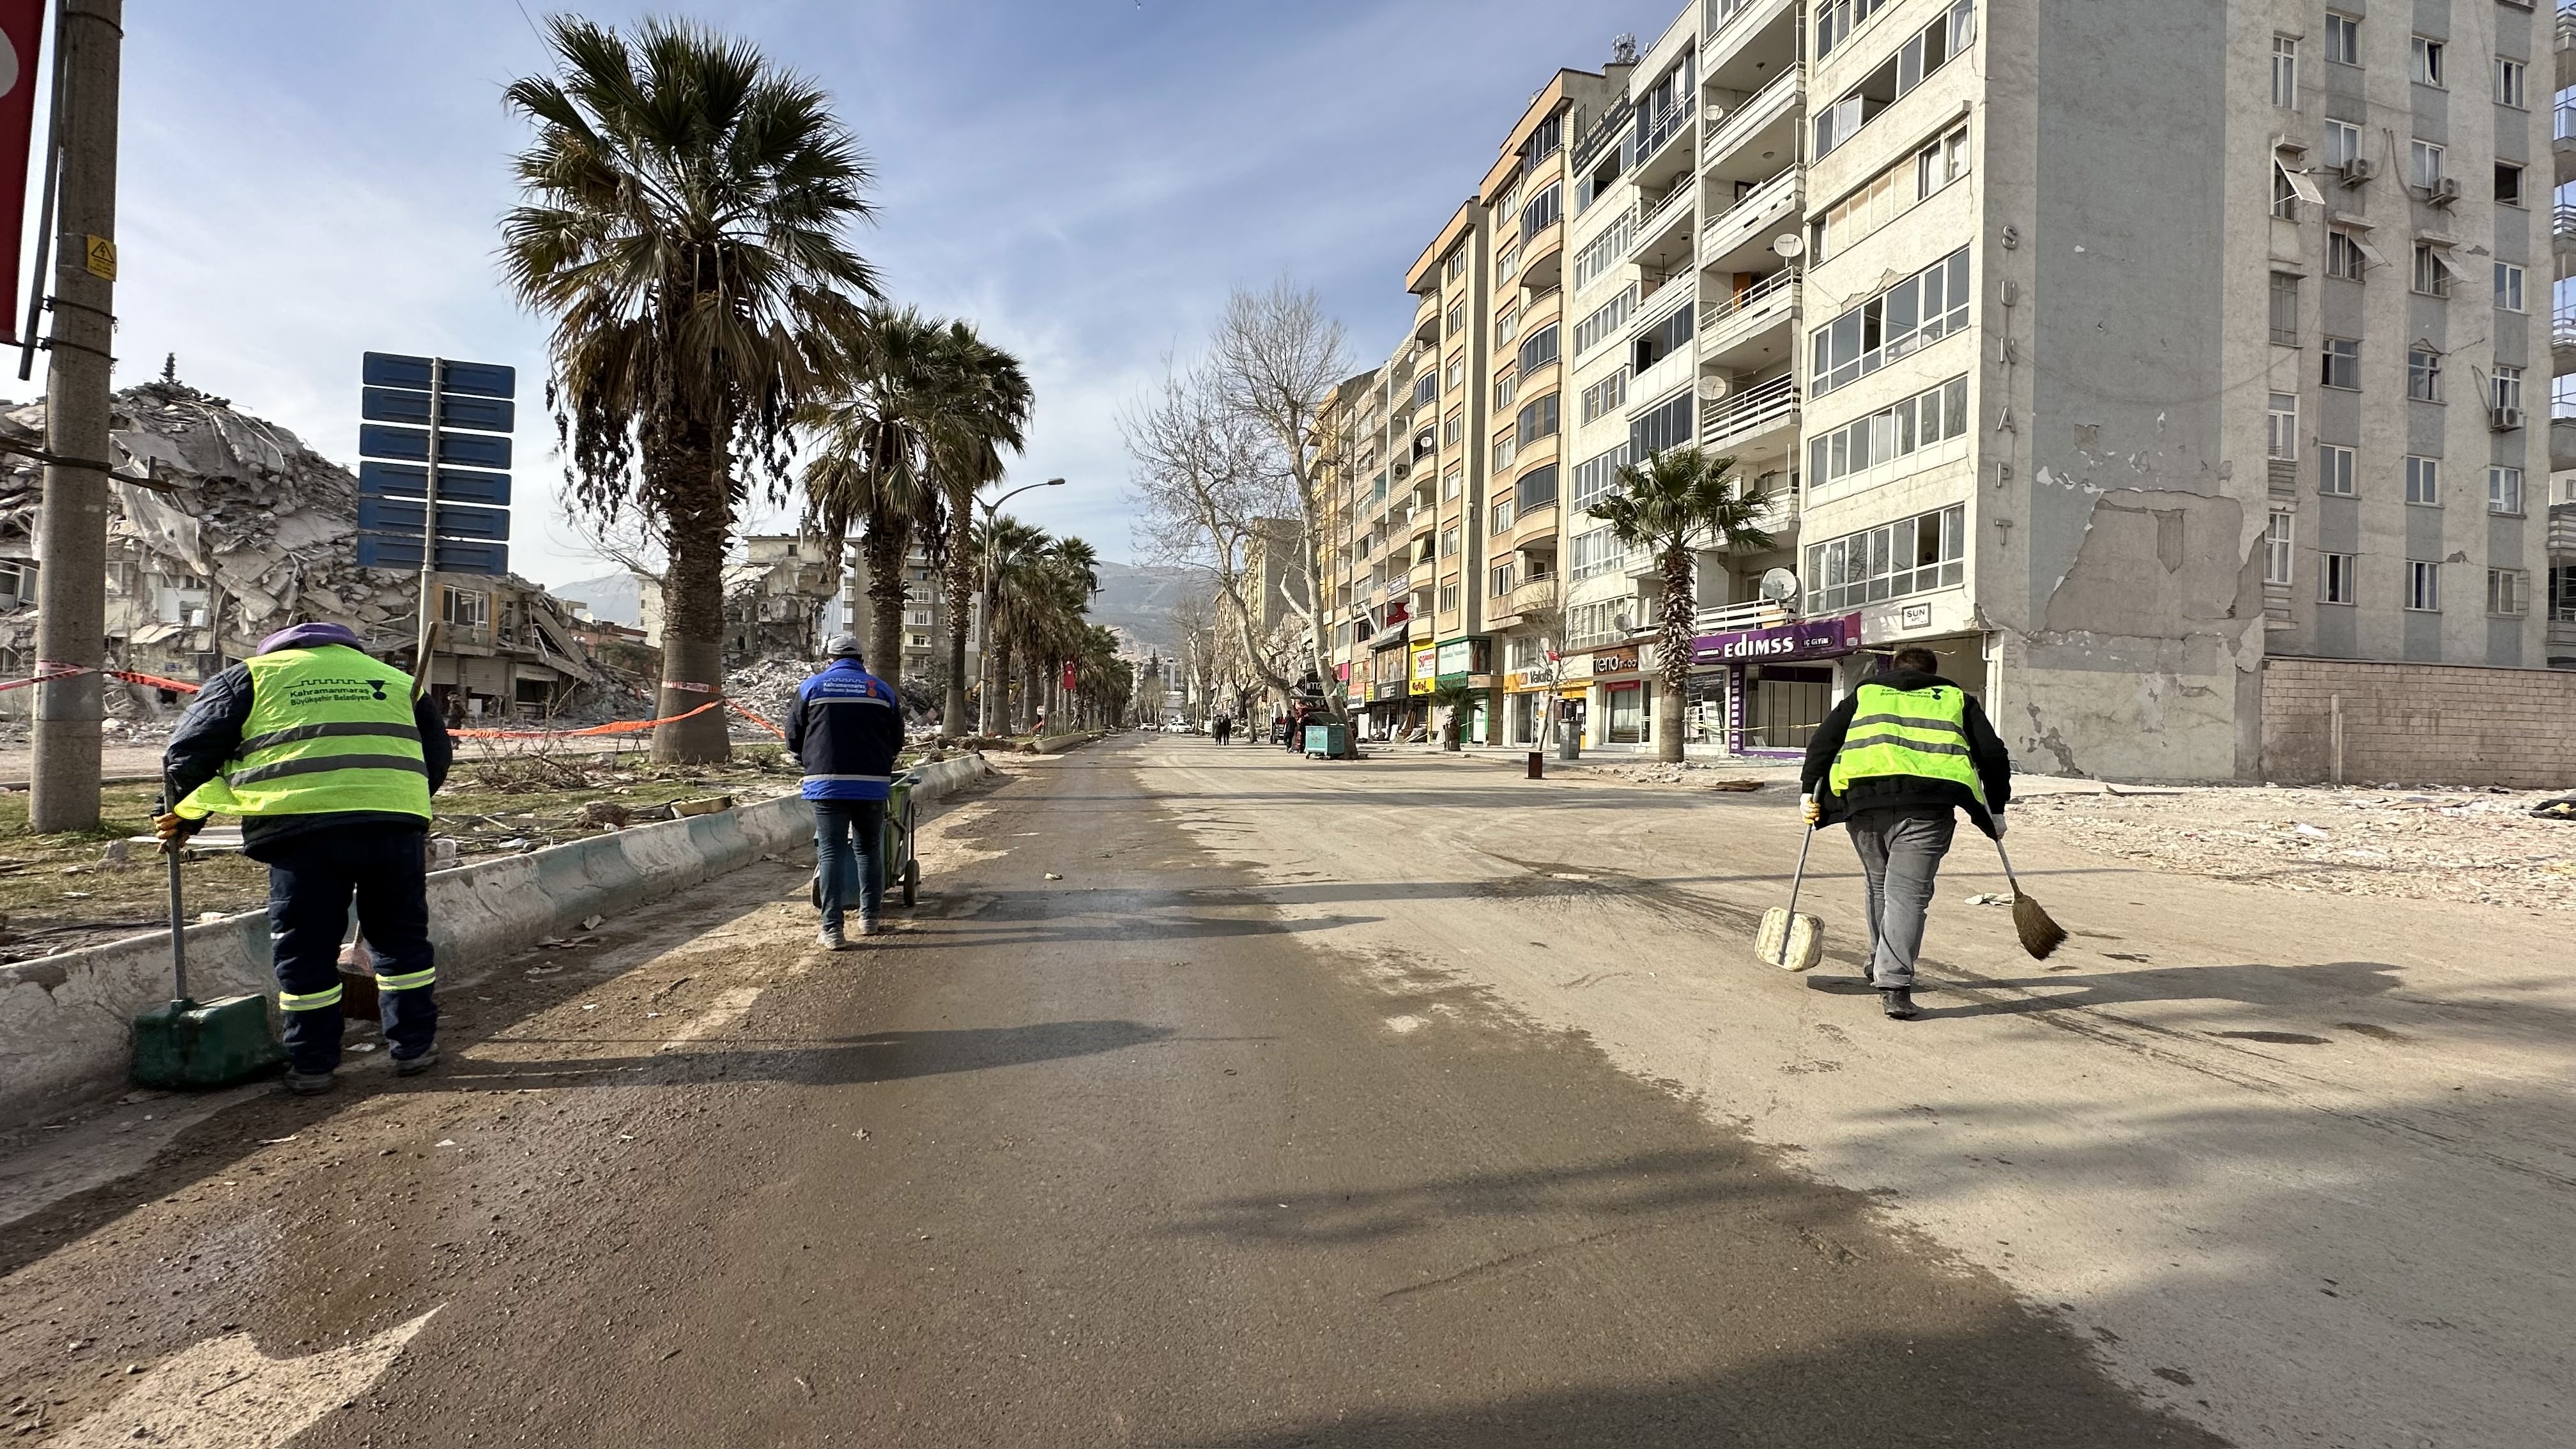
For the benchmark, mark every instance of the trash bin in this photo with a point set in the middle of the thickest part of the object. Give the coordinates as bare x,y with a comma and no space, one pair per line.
899,875
1331,741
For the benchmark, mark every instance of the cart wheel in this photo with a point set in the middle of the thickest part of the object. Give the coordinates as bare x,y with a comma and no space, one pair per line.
911,882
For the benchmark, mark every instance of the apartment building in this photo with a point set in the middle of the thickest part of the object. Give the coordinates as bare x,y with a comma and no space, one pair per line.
925,616
2107,351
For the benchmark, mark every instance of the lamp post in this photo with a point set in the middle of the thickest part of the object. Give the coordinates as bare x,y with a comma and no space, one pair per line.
985,714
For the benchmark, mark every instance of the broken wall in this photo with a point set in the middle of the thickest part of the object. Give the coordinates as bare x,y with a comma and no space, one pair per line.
2419,724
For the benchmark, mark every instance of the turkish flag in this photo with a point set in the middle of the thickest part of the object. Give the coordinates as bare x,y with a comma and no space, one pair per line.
22,28
1068,674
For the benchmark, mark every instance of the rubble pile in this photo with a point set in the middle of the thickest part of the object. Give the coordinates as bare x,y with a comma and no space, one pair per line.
768,686
2463,844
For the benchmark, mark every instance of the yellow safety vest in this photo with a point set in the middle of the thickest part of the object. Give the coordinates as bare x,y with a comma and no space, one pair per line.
1920,732
330,730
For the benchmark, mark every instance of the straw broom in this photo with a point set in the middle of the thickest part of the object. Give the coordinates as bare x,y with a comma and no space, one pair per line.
2040,934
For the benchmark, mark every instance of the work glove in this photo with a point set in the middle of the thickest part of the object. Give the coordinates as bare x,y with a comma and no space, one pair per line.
174,830
1810,811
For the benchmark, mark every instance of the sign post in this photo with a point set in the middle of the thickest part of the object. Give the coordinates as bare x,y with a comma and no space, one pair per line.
459,406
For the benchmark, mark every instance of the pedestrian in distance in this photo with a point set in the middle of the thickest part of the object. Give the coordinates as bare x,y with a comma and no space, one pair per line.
1223,727
845,729
1894,761
329,761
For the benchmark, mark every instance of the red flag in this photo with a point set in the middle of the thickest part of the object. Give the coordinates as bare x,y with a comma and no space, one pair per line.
22,26
1068,674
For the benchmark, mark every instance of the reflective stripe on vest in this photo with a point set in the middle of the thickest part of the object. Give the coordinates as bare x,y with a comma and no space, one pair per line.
330,730
1918,732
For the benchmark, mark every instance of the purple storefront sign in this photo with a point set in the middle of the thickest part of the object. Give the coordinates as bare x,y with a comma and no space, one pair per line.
1806,639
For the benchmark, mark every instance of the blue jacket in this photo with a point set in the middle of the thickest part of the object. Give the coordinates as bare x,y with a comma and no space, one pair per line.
845,729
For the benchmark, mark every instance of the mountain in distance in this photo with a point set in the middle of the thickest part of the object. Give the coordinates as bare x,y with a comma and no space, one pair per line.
616,597
1138,598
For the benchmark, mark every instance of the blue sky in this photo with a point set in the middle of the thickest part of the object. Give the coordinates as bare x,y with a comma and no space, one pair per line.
1084,179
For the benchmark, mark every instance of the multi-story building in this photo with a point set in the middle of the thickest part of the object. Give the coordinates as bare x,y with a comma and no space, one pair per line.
925,617
2109,352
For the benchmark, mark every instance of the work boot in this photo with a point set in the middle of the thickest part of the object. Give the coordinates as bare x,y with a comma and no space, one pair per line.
1898,1003
310,1084
870,926
413,1066
830,939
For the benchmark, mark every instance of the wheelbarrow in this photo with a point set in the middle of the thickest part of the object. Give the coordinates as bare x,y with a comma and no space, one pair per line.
899,870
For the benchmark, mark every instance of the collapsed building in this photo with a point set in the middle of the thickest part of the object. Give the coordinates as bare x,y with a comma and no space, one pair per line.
777,600
224,528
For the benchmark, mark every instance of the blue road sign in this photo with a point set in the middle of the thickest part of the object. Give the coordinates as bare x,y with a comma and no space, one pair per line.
455,520
478,379
455,556
411,445
401,405
411,480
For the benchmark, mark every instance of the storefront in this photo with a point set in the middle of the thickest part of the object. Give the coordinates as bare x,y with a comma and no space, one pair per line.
1528,695
1468,663
1778,682
1622,710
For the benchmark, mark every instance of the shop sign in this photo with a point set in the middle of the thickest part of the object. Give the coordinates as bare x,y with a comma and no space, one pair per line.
1426,668
1386,689
1453,657
1805,639
1615,661
1915,616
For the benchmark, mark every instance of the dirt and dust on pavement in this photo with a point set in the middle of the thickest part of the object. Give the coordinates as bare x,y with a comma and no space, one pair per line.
1095,1147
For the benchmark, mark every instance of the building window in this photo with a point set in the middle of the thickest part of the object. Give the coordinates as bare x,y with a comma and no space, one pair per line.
1507,265
2505,388
1507,326
1605,321
1597,552
2343,255
2342,363
1506,388
1457,318
2508,184
1538,349
1920,421
1456,266
2423,585
1504,576
2504,490
1457,373
1449,598
1501,517
2285,191
1449,542
1537,420
2509,82
1605,251
1606,396
2335,578
2343,143
2508,592
2281,426
1454,484
2428,61
2285,309
2334,470
1923,53
1914,313
1543,210
1662,340
1537,489
2423,374
1911,556
1940,163
2285,70
1506,448
2427,162
2424,481
1668,424
2508,286
1593,476
2432,270
2343,39
1453,428
464,608
1426,389
2276,548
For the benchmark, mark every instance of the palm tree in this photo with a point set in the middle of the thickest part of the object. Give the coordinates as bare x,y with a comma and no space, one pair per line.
879,439
685,205
1006,554
1076,566
989,413
1679,501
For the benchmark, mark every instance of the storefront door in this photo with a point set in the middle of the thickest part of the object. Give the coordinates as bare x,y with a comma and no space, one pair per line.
1625,704
1788,702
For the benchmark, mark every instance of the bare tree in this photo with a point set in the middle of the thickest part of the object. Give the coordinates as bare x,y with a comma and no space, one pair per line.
1205,482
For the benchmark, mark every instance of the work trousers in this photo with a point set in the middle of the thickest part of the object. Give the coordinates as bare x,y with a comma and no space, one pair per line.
1900,853
849,858
312,878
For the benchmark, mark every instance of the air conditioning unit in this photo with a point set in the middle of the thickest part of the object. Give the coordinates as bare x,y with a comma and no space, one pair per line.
2504,420
2444,191
2358,170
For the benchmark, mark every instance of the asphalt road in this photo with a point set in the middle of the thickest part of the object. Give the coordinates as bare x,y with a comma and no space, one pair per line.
1100,1147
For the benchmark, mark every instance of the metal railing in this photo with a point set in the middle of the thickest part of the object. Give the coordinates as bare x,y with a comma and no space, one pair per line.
1755,614
1750,298
1647,215
1661,129
1729,133
1762,406
1779,184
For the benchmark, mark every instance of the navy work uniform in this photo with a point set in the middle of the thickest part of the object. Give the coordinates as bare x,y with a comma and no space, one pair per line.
845,729
330,763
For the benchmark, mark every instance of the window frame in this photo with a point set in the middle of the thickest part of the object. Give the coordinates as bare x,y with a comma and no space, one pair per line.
2512,83
2343,34
2509,287
2423,593
2281,427
2343,246
2423,481
2424,163
2285,70
2336,466
2280,536
2506,485
2515,584
2330,356
2428,62
2505,386
2423,375
2338,578
2285,285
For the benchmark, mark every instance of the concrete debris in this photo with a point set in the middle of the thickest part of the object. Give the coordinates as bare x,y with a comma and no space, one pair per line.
1988,899
768,686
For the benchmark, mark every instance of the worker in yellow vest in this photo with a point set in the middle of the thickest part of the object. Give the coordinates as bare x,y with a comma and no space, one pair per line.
1894,760
330,763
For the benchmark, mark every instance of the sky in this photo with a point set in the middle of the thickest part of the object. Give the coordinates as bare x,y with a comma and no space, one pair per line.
302,181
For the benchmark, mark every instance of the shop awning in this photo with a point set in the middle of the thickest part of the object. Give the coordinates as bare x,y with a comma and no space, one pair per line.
1390,636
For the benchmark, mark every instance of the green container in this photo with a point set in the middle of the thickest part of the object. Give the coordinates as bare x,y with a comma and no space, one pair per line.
184,1043
1332,741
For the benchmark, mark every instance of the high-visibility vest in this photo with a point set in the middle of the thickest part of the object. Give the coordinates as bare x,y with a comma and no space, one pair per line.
1920,732
330,730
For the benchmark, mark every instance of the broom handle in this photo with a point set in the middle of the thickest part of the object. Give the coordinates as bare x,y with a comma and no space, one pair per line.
1800,877
2008,870
178,927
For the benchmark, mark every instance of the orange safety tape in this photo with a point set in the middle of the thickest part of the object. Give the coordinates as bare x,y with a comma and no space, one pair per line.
745,711
623,727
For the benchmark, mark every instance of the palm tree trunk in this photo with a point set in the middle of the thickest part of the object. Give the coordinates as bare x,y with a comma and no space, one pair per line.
961,593
699,521
997,682
887,541
1673,651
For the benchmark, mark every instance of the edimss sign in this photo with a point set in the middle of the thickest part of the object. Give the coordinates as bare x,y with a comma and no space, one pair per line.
1806,639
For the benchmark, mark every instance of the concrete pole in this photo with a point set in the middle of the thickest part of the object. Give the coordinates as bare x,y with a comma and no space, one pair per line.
71,529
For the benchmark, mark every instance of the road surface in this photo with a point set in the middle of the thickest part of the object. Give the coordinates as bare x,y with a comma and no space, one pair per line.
1222,1099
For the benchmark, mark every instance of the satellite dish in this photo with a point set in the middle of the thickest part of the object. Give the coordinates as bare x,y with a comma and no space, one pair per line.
1712,386
1711,115
1789,245
1779,586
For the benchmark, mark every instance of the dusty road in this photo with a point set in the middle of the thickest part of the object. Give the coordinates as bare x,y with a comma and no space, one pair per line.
1218,1099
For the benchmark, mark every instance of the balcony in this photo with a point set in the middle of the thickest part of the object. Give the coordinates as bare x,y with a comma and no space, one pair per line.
1663,227
2562,444
1747,225
1775,102
2562,530
1529,595
1729,618
1737,317
1731,422
1660,131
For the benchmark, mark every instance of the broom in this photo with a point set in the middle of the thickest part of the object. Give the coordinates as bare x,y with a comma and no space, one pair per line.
2040,934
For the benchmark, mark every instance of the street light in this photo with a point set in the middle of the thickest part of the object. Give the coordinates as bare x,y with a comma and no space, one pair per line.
984,713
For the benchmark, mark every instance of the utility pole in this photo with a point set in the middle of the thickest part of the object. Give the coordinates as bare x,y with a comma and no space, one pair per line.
71,529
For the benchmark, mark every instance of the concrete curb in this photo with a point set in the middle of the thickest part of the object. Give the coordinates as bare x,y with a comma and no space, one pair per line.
1058,744
66,1021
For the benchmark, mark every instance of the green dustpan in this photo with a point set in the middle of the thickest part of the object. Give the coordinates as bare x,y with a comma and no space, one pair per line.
188,1043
